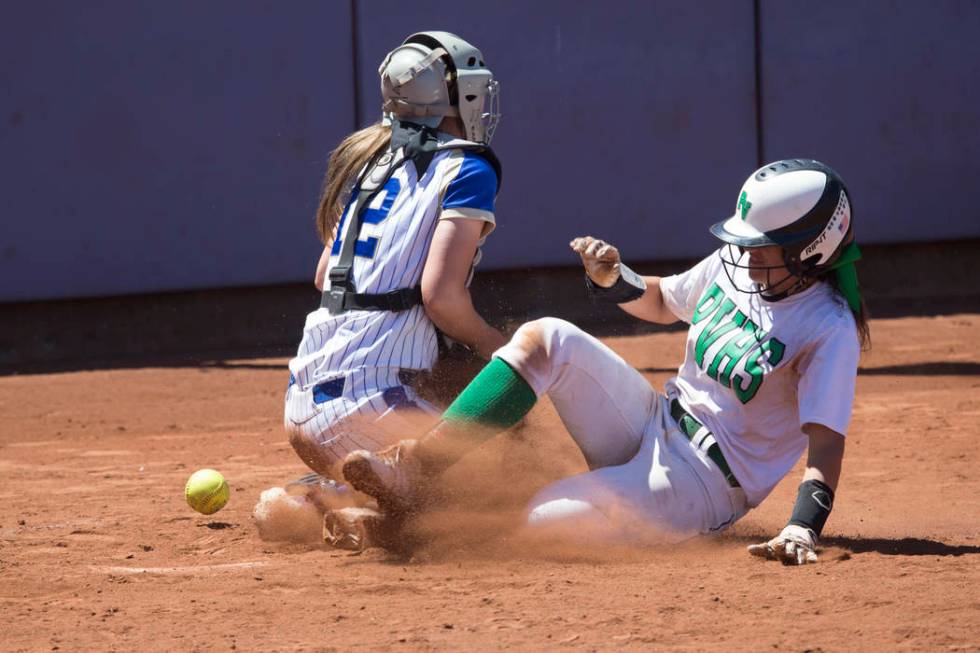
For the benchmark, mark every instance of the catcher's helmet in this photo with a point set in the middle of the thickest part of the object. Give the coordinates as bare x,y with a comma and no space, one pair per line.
437,74
798,204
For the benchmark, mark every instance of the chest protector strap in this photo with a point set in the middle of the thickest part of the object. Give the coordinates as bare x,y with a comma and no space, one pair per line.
408,142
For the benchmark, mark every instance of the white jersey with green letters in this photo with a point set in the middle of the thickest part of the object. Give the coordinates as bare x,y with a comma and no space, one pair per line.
756,371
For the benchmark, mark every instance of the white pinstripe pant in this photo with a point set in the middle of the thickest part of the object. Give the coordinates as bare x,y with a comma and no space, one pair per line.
369,409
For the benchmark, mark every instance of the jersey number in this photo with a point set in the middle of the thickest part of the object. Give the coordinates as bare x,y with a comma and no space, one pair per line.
375,214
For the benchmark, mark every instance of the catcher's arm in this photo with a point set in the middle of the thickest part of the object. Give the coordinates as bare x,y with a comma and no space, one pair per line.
445,295
797,543
321,269
604,267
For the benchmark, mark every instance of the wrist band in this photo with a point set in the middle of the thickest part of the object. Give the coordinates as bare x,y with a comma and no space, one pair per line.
814,501
628,287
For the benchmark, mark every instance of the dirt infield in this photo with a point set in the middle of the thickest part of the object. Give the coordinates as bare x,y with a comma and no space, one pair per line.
99,552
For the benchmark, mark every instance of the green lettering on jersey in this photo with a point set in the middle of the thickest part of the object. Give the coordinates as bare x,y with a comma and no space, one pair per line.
736,347
714,330
744,343
771,350
709,301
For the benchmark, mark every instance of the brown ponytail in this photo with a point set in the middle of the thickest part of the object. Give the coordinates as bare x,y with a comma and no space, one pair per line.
346,162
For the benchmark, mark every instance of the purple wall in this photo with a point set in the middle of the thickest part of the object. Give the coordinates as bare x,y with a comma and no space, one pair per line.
889,94
146,147
630,121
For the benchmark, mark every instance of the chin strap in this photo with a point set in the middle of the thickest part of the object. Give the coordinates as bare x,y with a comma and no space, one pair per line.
796,287
847,279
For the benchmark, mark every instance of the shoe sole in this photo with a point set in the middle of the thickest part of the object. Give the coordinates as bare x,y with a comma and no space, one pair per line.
342,530
359,474
337,534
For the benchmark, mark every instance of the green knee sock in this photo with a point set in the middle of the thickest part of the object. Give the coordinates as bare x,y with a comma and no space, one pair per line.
496,399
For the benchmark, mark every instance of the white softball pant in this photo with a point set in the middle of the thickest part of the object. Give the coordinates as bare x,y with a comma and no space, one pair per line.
648,483
368,408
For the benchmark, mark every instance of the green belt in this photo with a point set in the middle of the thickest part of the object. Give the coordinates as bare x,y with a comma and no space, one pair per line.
690,427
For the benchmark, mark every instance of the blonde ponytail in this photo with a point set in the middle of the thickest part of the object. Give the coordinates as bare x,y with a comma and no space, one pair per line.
346,162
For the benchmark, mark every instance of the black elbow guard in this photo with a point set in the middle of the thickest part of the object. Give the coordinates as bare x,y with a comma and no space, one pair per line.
813,504
628,287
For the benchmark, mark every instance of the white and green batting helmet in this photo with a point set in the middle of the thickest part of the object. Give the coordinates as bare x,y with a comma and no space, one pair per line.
433,75
799,204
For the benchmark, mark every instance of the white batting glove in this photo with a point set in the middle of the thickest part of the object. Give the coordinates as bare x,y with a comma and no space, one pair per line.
795,545
601,260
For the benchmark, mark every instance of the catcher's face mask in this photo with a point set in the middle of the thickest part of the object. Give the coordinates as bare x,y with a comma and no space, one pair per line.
434,75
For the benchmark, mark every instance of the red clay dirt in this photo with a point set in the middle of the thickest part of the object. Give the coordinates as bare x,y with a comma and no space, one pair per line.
98,550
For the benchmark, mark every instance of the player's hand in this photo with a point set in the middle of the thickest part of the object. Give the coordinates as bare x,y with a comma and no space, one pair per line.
601,260
795,545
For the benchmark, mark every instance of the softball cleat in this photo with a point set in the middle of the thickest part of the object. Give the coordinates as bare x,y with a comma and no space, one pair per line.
325,493
352,529
393,476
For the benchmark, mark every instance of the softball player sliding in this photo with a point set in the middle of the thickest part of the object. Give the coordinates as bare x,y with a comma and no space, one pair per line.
406,205
776,328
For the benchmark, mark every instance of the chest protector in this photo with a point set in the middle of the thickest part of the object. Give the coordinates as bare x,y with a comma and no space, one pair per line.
409,142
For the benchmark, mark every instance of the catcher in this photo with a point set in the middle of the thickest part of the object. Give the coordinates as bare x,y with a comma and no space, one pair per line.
407,204
777,324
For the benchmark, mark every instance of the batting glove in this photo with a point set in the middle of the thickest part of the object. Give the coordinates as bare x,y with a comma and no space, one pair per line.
795,545
601,260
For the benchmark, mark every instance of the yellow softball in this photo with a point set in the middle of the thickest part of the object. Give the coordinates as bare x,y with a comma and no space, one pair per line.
206,491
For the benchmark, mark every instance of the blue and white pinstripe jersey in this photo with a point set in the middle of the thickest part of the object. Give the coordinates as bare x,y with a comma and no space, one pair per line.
390,254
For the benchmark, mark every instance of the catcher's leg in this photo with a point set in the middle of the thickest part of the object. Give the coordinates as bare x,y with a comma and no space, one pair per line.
324,429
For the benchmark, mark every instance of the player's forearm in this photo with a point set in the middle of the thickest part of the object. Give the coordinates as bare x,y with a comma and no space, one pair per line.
454,315
815,496
825,455
825,473
650,306
610,280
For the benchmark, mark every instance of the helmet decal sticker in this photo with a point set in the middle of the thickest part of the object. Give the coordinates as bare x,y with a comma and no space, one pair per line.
744,204
826,243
